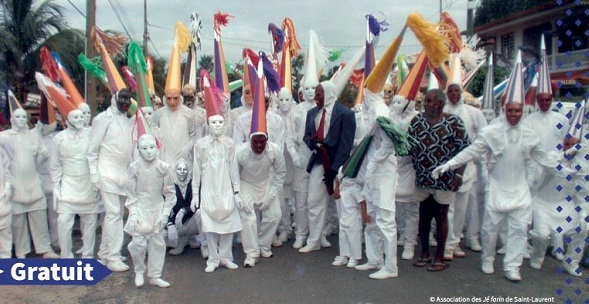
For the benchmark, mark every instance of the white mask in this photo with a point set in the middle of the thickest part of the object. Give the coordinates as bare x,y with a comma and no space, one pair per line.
147,113
19,120
216,124
181,171
489,114
398,104
76,119
86,114
147,147
285,101
309,92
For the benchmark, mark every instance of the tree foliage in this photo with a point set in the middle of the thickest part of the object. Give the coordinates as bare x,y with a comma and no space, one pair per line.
491,10
477,86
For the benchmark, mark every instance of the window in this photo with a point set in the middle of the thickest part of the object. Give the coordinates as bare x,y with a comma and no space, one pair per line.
507,45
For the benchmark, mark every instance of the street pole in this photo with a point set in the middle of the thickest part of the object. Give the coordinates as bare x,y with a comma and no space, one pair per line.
90,84
145,33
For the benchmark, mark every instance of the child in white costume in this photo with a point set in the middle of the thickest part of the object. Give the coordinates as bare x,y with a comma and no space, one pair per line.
151,196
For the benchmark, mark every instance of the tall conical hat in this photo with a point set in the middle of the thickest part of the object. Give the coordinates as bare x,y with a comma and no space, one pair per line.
577,121
489,90
410,87
455,76
115,81
221,79
531,92
212,99
373,29
138,66
181,42
515,87
314,61
13,103
258,123
72,91
377,78
544,83
291,49
432,82
55,95
342,77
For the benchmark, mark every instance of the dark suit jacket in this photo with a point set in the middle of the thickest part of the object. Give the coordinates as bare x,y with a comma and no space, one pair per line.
338,140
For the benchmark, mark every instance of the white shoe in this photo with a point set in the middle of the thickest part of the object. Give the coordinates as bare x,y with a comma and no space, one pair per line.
325,243
572,268
159,282
383,274
408,252
249,262
277,242
535,264
50,255
210,269
340,261
368,266
309,248
458,252
139,281
502,250
193,243
266,253
79,251
488,268
557,255
299,242
474,245
352,263
448,255
178,250
513,275
229,265
204,251
283,236
117,266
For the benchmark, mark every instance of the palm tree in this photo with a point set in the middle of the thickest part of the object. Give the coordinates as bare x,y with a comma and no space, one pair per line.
25,27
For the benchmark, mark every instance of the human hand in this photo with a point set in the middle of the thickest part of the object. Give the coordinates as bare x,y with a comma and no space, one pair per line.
179,218
194,204
456,183
172,233
95,180
440,170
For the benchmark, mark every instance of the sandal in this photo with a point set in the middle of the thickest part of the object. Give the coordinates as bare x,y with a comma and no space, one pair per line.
421,262
438,266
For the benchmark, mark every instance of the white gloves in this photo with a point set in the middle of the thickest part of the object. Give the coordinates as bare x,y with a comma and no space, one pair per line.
95,180
299,162
244,206
172,233
266,202
179,217
132,221
440,170
194,204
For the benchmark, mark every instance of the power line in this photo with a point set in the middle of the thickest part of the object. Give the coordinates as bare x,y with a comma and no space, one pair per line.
76,8
126,18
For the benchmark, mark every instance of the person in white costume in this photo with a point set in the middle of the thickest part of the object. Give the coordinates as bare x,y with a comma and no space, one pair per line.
285,105
216,175
24,148
509,145
109,154
47,133
73,192
276,127
5,208
262,171
150,198
86,113
474,121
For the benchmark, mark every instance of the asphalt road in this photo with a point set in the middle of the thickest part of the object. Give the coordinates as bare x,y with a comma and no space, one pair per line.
290,277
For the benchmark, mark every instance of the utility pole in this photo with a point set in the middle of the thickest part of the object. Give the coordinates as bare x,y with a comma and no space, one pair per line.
145,33
471,6
90,83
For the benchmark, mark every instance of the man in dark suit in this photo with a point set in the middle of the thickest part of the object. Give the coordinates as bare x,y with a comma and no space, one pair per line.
329,133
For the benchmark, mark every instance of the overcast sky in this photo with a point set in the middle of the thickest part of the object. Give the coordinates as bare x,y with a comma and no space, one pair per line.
339,23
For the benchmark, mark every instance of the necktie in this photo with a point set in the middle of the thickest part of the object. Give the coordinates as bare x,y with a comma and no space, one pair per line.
321,129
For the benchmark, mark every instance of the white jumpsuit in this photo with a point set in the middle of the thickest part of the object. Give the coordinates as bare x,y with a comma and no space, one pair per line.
178,132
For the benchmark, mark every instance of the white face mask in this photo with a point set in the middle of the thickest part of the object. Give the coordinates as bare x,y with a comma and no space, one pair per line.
216,124
76,119
309,92
19,119
147,113
489,114
181,172
147,148
86,114
397,105
285,101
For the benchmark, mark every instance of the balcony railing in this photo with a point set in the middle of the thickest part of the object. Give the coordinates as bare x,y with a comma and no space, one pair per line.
568,61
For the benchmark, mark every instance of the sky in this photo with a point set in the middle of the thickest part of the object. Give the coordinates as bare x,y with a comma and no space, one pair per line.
340,24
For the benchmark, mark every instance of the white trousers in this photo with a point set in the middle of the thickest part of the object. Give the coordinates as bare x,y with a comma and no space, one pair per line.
154,247
517,235
350,225
317,205
380,237
112,229
5,243
102,249
456,218
36,221
410,220
219,248
87,225
475,211
285,222
268,221
53,226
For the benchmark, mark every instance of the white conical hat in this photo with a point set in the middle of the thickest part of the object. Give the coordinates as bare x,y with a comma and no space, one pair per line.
544,84
314,61
342,77
577,121
515,86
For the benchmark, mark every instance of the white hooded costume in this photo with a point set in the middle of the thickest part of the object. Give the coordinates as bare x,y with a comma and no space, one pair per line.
74,192
24,148
178,131
5,208
109,154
